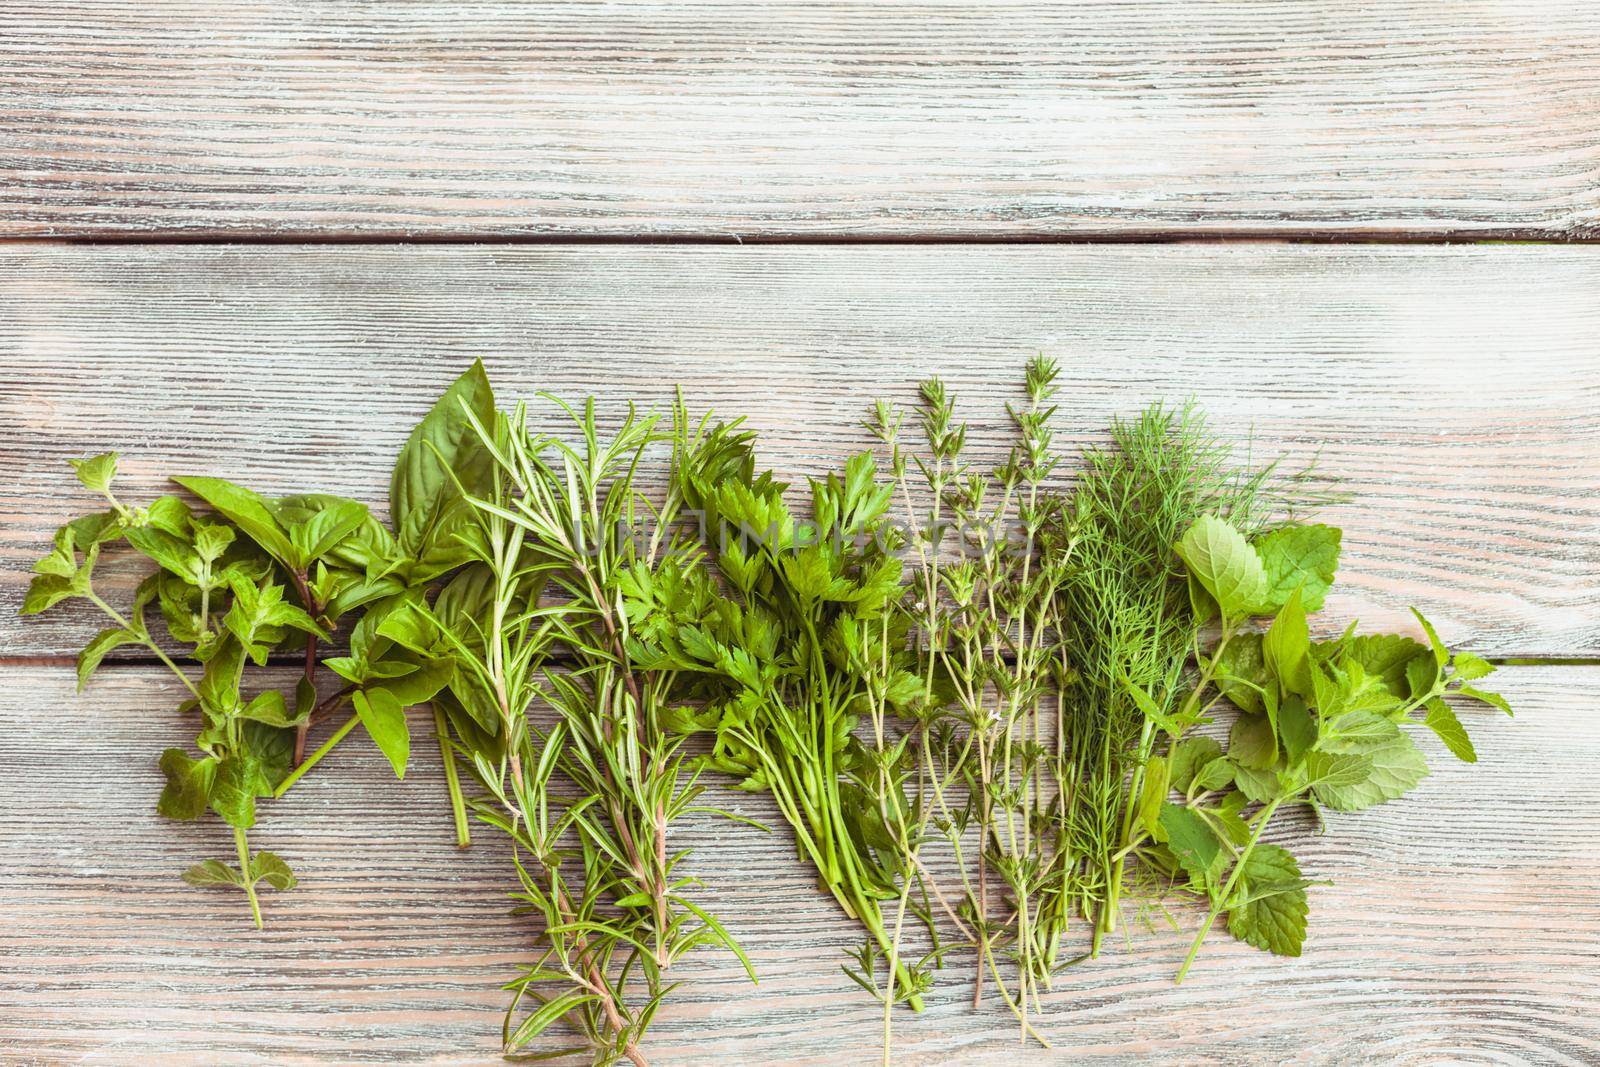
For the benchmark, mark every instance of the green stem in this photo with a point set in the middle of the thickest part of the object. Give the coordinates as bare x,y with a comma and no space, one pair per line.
988,957
241,843
1108,914
315,757
1221,900
147,640
458,806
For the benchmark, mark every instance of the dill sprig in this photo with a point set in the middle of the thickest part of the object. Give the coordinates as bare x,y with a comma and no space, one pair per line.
1128,623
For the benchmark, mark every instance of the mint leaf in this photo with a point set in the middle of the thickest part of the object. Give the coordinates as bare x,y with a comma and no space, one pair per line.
169,552
1296,729
211,540
1286,648
1297,557
1422,676
267,867
1218,774
1273,914
46,591
1383,656
213,873
270,751
95,651
1188,756
1257,784
1337,769
1470,668
188,787
1353,729
1191,841
269,707
1397,767
1493,699
97,473
1241,673
1442,721
1251,743
1441,654
1224,563
233,792
252,771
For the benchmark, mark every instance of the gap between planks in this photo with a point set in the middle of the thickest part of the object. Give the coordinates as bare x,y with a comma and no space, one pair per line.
1310,235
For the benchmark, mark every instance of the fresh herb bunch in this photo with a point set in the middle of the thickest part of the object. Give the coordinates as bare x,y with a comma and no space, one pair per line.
569,556
989,653
1128,628
218,600
1319,725
227,585
1030,693
786,652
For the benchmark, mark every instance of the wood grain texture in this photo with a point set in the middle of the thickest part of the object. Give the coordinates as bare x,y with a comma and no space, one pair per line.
754,119
1455,391
1463,924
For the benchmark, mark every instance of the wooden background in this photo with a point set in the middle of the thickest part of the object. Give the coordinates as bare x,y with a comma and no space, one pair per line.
255,239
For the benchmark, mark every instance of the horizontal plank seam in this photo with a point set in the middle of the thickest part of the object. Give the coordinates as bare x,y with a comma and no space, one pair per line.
1306,235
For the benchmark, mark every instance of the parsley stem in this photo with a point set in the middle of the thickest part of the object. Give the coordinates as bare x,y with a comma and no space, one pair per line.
242,844
458,806
312,760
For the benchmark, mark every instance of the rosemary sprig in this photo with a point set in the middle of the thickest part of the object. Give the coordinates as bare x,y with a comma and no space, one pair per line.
562,566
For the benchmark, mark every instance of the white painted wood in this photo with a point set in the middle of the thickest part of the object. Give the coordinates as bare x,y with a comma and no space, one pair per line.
1463,924
1454,391
742,118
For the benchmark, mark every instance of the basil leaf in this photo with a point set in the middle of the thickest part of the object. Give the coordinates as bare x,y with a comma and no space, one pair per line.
425,505
248,511
385,722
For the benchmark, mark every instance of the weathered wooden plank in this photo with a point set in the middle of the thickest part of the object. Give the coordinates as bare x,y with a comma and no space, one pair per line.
496,117
1464,922
1453,390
